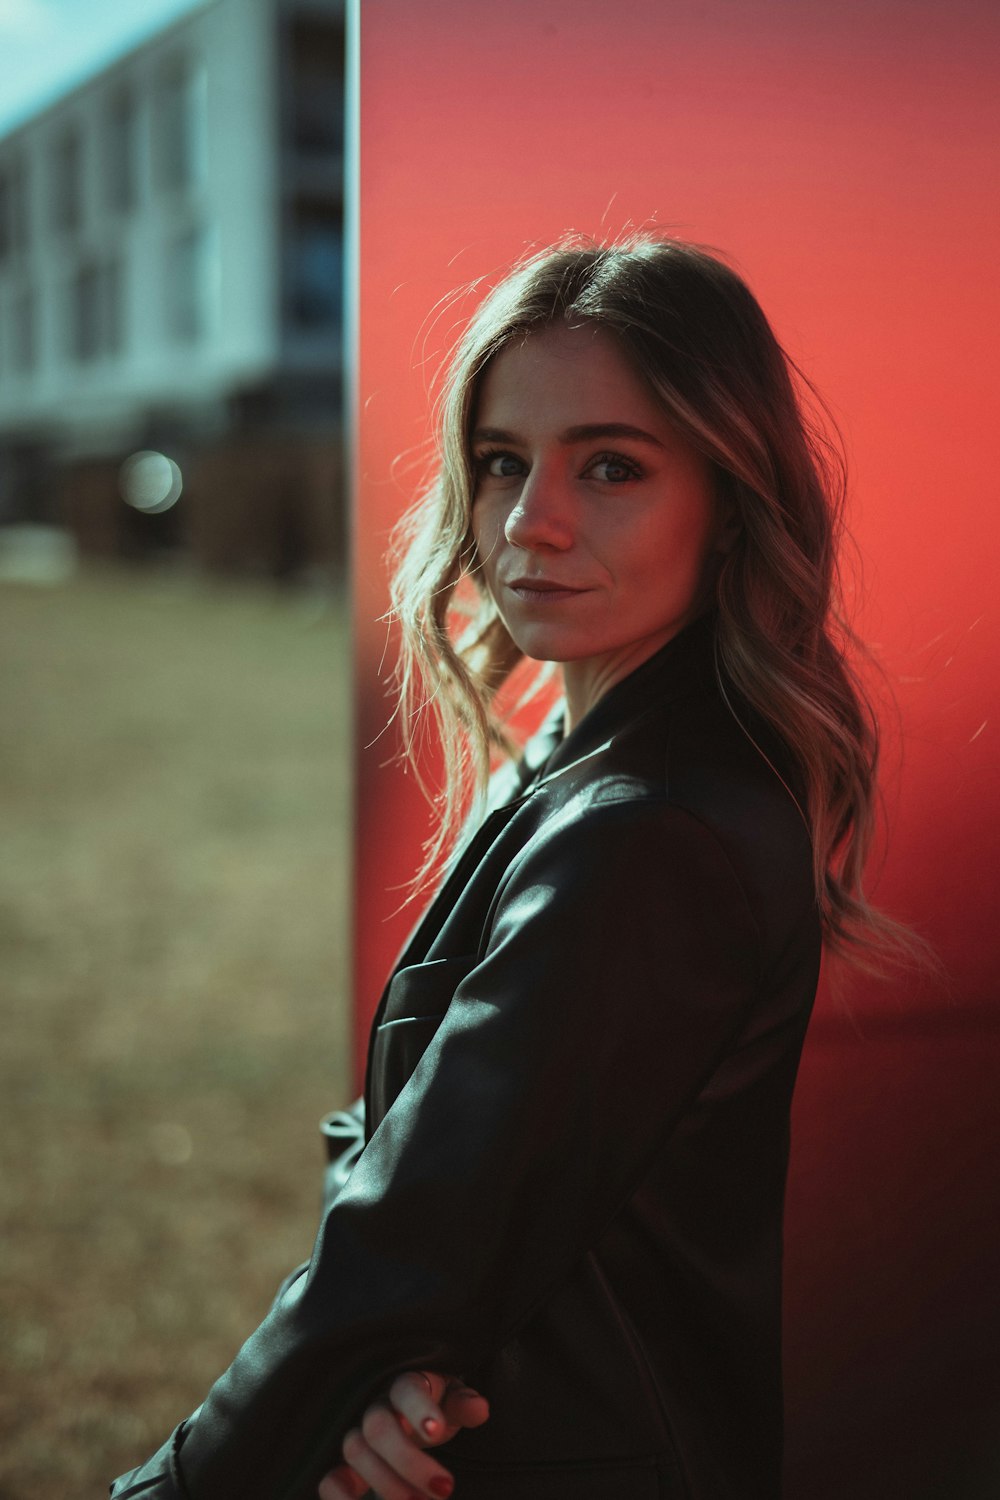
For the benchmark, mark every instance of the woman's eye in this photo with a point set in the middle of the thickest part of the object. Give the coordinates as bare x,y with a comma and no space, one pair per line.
492,464
499,464
618,469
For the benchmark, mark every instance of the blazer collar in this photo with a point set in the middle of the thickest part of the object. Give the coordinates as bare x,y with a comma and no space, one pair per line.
684,663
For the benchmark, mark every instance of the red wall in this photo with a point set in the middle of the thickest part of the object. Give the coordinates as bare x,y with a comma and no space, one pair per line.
845,154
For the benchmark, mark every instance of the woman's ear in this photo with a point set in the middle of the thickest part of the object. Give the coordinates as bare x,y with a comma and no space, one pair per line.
728,526
728,517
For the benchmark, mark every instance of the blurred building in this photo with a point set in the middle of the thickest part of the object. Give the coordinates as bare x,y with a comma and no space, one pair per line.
171,245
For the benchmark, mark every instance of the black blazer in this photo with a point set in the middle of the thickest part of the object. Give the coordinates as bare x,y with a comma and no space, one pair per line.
577,1103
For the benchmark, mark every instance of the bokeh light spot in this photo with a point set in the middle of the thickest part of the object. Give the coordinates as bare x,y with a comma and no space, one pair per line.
150,481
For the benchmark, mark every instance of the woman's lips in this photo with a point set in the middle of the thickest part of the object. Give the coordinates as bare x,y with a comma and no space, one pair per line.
542,590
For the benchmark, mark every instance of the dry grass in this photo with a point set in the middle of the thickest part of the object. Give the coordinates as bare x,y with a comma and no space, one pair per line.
172,928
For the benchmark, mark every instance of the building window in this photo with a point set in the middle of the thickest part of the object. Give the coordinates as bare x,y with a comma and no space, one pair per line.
20,209
189,269
6,212
23,331
121,164
95,322
179,133
13,207
315,266
66,203
317,86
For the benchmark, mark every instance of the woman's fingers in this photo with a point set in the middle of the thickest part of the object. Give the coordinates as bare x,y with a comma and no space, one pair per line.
385,1454
435,1406
464,1407
382,1455
343,1484
415,1395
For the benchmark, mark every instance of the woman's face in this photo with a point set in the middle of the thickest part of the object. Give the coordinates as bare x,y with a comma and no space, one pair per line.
596,542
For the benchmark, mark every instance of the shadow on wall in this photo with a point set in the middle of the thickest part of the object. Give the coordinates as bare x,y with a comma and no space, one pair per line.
892,1273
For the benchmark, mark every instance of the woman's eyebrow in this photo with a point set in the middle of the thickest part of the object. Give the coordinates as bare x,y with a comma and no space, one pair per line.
582,434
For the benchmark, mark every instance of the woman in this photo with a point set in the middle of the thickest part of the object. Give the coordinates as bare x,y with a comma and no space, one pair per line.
576,1107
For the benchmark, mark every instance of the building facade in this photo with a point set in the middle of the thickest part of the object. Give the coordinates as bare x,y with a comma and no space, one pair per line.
171,250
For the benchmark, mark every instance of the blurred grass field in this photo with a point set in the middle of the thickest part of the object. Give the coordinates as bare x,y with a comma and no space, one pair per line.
174,794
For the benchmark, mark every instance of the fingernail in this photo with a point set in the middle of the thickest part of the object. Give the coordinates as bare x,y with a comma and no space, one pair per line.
441,1485
431,1426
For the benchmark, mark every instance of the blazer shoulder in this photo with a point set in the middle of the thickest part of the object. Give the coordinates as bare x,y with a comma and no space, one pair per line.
700,754
728,771
727,766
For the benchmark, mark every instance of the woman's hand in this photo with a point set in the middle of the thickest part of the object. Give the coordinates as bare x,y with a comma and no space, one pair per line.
385,1454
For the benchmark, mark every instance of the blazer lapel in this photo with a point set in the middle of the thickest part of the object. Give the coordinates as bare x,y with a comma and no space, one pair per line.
685,662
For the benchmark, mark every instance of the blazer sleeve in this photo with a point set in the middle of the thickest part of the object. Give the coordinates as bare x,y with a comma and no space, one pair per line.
621,961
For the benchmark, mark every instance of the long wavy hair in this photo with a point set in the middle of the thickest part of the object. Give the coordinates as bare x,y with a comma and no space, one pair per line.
691,328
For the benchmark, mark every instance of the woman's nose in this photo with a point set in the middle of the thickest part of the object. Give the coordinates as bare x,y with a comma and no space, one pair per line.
542,515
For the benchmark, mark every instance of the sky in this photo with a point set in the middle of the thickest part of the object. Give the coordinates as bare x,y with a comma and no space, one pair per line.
48,46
